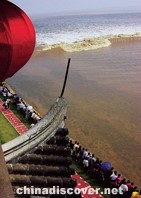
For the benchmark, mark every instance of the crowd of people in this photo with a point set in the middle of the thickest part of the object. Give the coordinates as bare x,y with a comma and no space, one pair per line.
110,178
26,110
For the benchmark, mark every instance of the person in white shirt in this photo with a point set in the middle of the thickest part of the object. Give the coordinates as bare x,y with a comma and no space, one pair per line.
123,188
114,176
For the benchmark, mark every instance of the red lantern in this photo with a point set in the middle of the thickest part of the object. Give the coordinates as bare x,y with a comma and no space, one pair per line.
17,39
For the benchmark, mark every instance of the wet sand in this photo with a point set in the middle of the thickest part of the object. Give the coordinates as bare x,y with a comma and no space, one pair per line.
104,97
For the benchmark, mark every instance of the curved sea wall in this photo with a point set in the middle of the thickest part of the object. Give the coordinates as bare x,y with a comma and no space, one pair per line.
38,134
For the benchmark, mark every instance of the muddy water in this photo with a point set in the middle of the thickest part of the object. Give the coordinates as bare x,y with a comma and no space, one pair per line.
104,97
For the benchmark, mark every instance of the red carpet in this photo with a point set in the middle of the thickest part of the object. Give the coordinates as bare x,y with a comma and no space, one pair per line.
16,123
82,184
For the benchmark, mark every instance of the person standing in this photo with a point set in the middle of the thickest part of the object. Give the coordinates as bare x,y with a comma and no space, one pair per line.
6,103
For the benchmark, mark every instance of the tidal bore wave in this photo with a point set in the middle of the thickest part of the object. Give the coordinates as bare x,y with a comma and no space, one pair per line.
88,44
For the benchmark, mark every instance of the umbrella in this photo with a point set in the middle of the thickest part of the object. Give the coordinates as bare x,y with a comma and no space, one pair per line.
106,166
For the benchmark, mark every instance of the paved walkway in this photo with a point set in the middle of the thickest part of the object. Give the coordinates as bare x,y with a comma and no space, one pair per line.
21,128
10,116
86,189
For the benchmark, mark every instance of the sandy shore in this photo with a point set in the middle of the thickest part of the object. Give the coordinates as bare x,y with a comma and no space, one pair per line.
103,93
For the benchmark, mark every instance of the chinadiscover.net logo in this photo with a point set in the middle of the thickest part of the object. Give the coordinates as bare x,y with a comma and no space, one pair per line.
62,191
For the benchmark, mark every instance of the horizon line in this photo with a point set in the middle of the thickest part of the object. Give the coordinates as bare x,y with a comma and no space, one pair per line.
81,13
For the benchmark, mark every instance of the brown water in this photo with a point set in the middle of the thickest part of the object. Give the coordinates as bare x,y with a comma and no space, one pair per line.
104,97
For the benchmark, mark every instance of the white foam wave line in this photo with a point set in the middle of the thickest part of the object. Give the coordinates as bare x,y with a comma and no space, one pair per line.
85,33
87,44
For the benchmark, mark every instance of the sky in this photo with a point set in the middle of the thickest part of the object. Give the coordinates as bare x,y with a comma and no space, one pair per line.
60,7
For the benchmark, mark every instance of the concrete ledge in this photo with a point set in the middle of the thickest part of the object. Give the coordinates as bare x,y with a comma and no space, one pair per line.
36,135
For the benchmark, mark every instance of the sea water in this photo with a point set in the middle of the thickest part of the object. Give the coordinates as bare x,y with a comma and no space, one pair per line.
69,29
